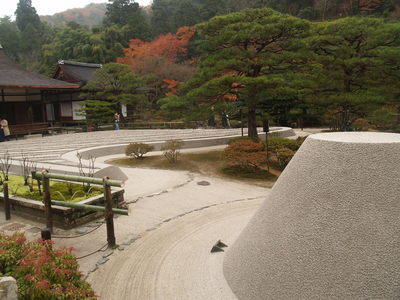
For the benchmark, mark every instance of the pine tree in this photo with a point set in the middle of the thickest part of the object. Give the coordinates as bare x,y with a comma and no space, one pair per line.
31,31
115,84
348,68
247,57
9,37
26,14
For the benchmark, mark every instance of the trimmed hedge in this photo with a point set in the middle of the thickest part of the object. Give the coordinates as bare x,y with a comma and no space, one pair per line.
246,153
278,143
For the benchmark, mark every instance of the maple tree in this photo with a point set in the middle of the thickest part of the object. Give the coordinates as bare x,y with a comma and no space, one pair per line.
163,57
169,47
173,86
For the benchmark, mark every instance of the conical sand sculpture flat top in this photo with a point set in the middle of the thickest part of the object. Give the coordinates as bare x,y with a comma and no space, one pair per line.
331,226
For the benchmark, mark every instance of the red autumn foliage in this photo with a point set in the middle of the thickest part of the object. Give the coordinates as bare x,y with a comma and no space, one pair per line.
161,57
370,5
173,86
246,153
41,271
168,47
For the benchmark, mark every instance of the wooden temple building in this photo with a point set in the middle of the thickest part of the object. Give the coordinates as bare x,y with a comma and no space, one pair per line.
27,98
81,73
75,73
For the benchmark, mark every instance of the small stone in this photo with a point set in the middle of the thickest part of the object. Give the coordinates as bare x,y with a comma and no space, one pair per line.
121,248
82,230
102,261
135,238
203,183
8,288
34,230
93,269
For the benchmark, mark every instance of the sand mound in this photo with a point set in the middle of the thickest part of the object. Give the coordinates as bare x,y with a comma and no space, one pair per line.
331,226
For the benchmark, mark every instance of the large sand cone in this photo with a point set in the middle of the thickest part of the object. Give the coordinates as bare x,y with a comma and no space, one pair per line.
330,228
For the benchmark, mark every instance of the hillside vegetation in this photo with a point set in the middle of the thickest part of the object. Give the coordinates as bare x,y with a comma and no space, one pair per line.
90,15
313,62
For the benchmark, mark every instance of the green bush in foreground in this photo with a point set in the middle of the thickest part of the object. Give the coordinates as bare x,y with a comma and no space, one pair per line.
41,271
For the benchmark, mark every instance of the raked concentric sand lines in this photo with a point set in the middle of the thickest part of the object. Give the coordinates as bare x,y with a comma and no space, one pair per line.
330,228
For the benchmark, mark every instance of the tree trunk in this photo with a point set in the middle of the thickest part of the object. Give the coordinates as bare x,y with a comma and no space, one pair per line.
252,123
344,118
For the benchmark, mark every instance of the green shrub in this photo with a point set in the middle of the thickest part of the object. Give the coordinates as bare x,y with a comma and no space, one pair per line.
242,138
62,191
137,150
171,150
41,271
247,153
300,140
278,143
282,150
284,155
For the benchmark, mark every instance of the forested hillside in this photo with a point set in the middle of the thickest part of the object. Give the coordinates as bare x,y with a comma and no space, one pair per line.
90,15
342,71
72,34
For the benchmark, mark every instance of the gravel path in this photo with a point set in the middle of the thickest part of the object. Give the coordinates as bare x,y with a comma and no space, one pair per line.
174,261
175,221
50,148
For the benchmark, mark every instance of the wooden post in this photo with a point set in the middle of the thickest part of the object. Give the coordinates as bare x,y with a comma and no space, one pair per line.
47,202
109,216
241,120
266,130
46,234
7,206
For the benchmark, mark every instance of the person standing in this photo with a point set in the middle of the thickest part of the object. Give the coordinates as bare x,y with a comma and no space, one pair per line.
5,135
116,121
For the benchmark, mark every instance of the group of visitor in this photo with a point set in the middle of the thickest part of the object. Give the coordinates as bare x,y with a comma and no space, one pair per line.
4,130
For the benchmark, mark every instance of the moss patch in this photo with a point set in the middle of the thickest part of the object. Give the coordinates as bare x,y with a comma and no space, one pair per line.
62,191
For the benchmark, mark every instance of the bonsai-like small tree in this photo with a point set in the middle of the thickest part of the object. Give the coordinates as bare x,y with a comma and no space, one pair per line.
137,150
171,150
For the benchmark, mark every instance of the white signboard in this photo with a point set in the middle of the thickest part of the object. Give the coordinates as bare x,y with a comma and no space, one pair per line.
124,110
66,109
78,115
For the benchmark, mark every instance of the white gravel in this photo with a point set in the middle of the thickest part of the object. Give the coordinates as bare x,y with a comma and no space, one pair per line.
174,262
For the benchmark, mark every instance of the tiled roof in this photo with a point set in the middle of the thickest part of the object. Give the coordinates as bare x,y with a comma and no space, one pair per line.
80,72
13,75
